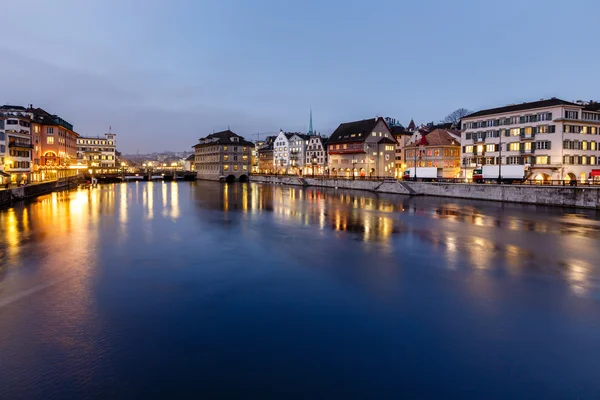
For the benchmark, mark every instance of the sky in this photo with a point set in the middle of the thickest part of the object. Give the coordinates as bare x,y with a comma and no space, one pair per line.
164,73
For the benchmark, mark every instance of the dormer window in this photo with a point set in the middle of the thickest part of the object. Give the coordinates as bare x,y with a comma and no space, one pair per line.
234,139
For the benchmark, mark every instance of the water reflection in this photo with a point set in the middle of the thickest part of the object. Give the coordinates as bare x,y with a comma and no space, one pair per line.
518,239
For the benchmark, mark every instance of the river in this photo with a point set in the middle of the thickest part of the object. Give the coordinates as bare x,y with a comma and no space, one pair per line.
207,290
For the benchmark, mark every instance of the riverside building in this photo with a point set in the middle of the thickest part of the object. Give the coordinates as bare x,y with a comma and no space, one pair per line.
223,156
554,139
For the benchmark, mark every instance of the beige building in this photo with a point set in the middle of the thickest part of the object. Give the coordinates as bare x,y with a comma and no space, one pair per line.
439,148
223,156
98,154
362,149
402,136
554,139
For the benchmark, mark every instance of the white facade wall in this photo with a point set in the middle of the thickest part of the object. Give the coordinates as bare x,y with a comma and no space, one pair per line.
317,152
544,154
281,153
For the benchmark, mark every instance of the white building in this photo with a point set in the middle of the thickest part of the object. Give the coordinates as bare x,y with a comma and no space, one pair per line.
97,152
554,139
4,177
316,156
289,152
18,146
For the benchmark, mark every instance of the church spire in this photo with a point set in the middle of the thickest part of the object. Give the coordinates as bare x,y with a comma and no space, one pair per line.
310,126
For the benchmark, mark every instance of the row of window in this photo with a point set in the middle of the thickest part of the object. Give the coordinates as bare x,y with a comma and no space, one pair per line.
18,122
585,130
21,164
590,116
522,119
19,153
510,160
524,132
435,163
577,145
581,160
87,141
433,153
235,167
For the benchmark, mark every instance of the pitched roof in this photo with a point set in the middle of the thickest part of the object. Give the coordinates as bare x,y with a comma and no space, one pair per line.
190,158
224,137
593,106
411,125
360,129
438,137
522,107
399,130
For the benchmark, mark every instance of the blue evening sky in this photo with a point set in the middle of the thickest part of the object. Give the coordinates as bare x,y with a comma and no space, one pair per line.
164,73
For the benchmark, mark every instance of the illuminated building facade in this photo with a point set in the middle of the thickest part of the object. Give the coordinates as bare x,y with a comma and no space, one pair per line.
98,153
223,155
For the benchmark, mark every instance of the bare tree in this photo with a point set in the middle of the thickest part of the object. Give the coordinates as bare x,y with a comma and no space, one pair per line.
455,116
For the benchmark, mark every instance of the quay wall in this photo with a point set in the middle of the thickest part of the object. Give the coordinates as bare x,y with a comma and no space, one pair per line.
561,196
12,195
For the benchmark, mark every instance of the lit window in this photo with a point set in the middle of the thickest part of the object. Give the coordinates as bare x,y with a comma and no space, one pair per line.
225,157
225,148
468,149
513,147
541,160
245,167
235,167
515,132
225,167
50,140
374,133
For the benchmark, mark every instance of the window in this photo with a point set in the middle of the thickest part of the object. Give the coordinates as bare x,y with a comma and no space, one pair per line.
542,129
374,133
235,167
225,167
244,149
514,146
436,152
542,160
571,114
584,145
224,148
50,140
49,130
245,167
468,149
515,132
527,146
542,145
584,130
592,145
490,147
225,157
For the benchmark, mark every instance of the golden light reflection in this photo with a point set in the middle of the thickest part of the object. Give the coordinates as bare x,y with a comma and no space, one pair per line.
175,200
578,274
150,197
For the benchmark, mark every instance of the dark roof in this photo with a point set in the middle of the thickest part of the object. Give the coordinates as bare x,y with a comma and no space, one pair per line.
43,117
9,107
302,136
190,158
399,130
411,125
223,138
360,129
522,107
439,137
593,106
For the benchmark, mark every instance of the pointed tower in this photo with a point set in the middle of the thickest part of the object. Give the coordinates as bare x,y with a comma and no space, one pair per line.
411,126
310,126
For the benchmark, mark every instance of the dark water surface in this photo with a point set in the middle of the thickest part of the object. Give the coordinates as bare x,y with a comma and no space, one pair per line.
201,290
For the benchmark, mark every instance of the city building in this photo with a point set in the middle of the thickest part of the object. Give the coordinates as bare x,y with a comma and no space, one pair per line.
402,137
265,155
98,154
362,148
316,156
289,152
19,148
4,177
553,138
223,156
439,148
55,146
189,165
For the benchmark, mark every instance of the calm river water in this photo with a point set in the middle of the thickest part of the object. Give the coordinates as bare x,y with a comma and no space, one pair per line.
204,290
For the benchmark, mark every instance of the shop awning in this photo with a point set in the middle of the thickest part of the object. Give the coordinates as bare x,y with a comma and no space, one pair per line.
595,172
2,173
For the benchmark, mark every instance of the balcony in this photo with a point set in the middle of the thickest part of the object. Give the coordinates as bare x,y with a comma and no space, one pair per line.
20,144
527,151
479,140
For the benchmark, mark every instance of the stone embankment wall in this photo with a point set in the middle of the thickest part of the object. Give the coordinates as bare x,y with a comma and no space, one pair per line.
30,191
563,196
